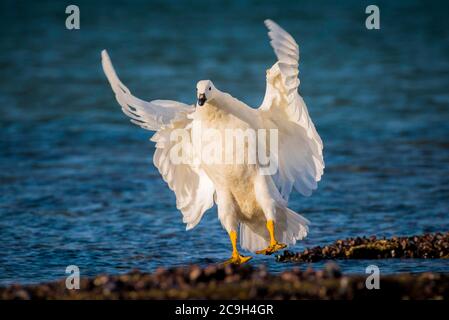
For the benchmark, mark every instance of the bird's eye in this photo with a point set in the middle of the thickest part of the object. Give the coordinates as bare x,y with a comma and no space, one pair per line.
210,88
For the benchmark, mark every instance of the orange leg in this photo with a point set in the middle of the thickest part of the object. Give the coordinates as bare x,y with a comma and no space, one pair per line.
274,245
236,258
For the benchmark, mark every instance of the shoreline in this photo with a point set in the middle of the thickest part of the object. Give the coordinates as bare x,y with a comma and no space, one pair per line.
247,282
238,282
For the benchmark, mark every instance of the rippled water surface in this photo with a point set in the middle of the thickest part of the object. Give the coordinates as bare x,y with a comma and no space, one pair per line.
77,181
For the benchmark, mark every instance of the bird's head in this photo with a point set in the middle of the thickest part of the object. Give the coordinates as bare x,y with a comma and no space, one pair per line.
205,91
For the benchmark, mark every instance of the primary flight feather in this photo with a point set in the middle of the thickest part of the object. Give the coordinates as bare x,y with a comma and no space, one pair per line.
249,200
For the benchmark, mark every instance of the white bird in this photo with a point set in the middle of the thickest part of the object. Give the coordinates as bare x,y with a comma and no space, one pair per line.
248,201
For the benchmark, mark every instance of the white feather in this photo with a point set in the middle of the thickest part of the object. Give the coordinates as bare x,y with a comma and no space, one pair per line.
242,194
301,162
193,189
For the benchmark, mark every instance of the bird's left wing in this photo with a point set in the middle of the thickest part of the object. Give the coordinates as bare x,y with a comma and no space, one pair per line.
300,154
193,188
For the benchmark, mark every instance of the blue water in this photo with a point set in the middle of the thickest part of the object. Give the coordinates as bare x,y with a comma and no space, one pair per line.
77,181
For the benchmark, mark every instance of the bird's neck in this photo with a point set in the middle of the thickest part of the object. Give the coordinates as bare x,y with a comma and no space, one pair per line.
227,103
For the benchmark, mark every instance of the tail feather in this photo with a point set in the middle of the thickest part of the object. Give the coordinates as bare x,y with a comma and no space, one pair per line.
252,237
289,228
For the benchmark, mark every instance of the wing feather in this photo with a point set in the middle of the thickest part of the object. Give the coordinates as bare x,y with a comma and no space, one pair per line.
193,188
300,156
149,115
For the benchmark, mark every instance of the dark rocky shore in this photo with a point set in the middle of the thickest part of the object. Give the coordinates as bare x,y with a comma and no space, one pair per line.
234,282
245,282
427,246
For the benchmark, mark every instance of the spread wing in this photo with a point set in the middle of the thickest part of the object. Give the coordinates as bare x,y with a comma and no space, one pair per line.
149,115
300,155
193,189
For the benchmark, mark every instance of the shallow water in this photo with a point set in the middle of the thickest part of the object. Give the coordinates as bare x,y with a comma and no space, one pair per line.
77,181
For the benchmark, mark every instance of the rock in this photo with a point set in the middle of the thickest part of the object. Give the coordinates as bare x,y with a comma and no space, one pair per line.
332,270
21,295
427,246
195,273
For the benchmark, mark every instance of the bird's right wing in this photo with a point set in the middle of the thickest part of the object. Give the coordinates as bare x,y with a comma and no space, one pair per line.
149,115
193,188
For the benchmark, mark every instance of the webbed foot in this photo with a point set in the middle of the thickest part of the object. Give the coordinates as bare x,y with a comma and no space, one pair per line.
237,259
272,248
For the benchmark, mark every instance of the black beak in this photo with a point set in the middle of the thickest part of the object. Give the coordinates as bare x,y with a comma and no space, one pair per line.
201,99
